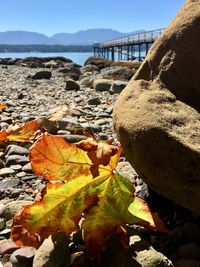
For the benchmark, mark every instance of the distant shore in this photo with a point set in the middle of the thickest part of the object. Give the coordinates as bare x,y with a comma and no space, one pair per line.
4,48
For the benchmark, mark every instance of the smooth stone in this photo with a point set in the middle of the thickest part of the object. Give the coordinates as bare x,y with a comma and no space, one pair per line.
4,172
23,257
7,120
117,87
16,159
29,177
13,207
7,246
16,167
102,121
117,73
72,85
27,168
73,138
45,123
16,150
101,85
4,125
42,75
91,127
94,101
9,183
21,174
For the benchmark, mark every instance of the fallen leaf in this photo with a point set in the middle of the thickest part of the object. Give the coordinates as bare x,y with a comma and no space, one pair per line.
16,133
103,202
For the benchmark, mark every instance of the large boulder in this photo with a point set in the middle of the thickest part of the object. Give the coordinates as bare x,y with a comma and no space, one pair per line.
157,115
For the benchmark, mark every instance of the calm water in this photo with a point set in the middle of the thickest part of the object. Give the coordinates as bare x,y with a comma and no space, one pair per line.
78,58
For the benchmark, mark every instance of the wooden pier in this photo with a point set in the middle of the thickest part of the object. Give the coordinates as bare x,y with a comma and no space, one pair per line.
129,48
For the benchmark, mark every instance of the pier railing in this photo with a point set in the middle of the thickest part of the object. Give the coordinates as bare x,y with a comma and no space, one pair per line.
128,44
136,38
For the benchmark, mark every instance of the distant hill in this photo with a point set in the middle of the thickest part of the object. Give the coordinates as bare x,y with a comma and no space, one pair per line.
86,37
23,37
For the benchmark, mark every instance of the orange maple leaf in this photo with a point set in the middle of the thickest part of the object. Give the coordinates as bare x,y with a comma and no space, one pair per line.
106,202
23,133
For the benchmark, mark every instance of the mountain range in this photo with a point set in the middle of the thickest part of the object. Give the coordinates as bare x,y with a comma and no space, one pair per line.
83,37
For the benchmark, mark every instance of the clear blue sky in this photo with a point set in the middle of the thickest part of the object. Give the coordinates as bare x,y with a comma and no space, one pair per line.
53,16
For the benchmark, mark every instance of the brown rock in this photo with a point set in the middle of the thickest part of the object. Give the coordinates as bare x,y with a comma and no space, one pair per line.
157,115
72,85
102,84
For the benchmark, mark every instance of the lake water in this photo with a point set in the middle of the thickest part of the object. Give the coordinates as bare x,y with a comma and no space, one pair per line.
78,58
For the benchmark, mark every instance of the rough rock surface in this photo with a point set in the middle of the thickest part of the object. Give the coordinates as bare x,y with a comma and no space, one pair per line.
157,115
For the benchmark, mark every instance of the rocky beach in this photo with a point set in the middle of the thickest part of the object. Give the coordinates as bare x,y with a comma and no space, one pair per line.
152,109
79,98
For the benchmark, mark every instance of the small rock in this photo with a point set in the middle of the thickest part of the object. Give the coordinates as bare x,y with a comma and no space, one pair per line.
27,168
7,246
16,167
13,207
54,252
102,121
29,177
117,87
16,150
9,184
146,255
21,174
4,125
102,85
72,85
5,234
23,257
4,172
94,101
8,120
42,75
45,123
16,159
91,127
